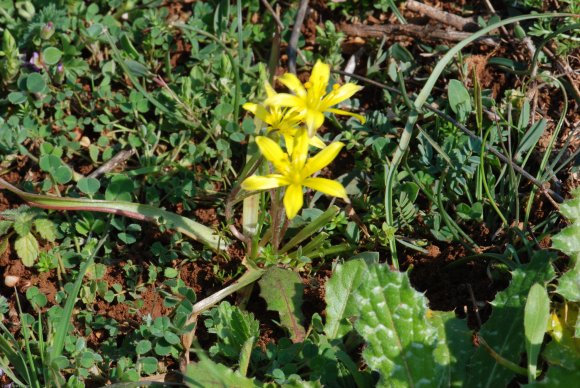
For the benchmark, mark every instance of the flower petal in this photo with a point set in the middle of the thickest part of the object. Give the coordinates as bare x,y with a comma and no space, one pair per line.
360,118
269,89
300,151
317,142
342,93
319,78
274,154
293,200
263,182
293,83
285,99
327,186
314,120
322,159
259,111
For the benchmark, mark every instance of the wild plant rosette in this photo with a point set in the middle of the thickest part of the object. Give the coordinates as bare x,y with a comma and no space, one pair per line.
297,117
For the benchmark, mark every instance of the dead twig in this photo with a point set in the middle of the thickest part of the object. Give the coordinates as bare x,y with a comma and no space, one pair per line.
274,14
457,22
112,163
413,30
293,43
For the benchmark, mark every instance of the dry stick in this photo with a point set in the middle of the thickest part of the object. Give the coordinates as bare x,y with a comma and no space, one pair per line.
544,190
413,30
474,303
490,8
119,158
458,22
292,45
273,13
564,68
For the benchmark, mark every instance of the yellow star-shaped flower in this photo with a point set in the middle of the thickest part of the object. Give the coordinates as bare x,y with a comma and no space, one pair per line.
294,171
310,100
280,120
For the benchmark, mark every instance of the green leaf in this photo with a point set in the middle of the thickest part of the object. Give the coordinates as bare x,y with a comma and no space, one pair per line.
401,342
63,174
558,377
5,226
35,83
45,228
136,69
454,346
282,290
503,331
207,373
120,189
531,138
340,304
536,316
17,98
27,249
23,224
569,284
459,98
143,347
233,328
171,338
51,55
149,365
88,186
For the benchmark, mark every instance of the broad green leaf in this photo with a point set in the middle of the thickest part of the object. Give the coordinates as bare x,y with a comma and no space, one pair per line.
207,373
17,98
45,228
35,83
569,284
27,249
568,240
23,224
571,208
459,99
340,303
89,186
558,377
401,342
454,346
51,55
503,332
149,365
536,316
282,290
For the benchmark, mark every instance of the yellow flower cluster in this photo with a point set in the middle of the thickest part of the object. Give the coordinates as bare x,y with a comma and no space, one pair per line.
297,117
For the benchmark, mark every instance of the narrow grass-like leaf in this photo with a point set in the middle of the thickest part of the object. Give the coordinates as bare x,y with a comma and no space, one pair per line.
536,315
340,303
184,225
282,290
503,331
310,229
401,342
557,377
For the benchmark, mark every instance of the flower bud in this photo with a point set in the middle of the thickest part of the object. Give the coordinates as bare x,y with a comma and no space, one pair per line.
47,31
11,280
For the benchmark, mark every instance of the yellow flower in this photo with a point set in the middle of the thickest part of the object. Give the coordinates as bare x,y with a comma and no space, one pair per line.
294,171
310,100
280,120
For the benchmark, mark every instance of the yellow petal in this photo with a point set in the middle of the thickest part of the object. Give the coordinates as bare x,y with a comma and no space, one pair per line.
269,89
262,182
360,118
259,111
293,200
289,140
285,99
300,151
274,154
336,96
327,186
293,83
314,120
317,142
322,159
319,78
